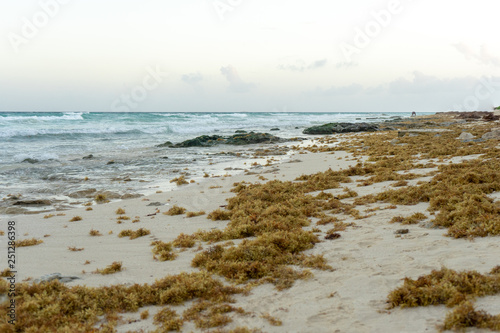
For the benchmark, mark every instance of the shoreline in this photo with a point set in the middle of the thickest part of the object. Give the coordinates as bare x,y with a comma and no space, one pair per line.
368,260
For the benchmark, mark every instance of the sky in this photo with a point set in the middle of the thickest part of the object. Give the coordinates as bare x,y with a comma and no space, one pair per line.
249,56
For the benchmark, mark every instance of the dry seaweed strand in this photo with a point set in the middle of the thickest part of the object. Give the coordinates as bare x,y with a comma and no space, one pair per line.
78,308
453,289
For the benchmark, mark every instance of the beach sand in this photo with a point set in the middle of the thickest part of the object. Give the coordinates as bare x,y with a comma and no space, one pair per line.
368,261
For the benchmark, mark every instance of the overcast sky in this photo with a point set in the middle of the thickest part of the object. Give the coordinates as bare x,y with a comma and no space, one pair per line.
249,55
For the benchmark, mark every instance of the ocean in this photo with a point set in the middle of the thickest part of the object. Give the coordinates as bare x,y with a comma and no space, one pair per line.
53,155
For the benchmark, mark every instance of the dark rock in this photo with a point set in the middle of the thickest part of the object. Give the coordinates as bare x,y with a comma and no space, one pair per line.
201,141
236,139
88,157
39,202
166,144
332,128
30,160
473,115
491,117
251,138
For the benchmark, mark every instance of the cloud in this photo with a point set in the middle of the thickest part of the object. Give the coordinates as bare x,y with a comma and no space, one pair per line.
317,64
346,64
192,78
428,84
236,84
419,84
300,65
349,90
483,57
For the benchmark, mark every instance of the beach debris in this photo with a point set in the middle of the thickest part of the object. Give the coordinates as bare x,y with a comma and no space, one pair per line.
401,231
56,276
332,236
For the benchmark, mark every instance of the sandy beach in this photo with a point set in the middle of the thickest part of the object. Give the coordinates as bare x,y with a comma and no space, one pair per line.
368,259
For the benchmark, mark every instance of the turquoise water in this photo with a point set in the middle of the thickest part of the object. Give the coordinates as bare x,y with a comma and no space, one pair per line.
41,154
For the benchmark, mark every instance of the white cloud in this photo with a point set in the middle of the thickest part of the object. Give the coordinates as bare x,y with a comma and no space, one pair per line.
192,78
300,65
483,56
236,84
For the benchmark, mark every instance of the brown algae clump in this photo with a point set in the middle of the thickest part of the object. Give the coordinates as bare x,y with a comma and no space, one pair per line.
454,289
466,316
180,180
28,242
80,308
175,210
445,286
163,251
120,211
115,267
194,214
134,234
184,241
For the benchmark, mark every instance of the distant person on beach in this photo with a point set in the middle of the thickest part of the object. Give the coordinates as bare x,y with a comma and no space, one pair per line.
413,114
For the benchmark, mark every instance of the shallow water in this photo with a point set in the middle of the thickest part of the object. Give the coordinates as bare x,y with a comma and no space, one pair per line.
42,155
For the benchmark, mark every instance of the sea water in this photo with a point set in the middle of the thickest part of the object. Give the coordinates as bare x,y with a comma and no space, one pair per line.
50,155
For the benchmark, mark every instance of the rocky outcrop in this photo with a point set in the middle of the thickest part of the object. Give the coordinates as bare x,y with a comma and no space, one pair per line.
201,141
466,136
473,115
494,134
333,128
37,202
88,193
236,139
251,138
